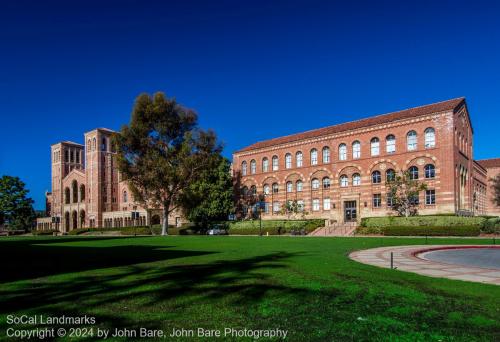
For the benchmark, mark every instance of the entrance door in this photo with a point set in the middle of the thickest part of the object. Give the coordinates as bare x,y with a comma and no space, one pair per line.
350,213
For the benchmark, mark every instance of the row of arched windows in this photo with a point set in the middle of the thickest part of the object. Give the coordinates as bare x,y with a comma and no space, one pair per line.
316,184
390,145
71,196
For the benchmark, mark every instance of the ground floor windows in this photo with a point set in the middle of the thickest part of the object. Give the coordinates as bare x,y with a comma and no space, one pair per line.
377,200
430,197
276,207
300,205
326,204
315,204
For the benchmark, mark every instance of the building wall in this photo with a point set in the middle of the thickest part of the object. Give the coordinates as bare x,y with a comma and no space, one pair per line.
492,208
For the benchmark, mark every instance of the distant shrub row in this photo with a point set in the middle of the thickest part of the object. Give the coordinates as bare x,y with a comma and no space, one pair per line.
431,231
274,227
423,221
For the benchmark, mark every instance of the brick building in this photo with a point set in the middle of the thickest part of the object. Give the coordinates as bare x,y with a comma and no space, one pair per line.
87,189
339,172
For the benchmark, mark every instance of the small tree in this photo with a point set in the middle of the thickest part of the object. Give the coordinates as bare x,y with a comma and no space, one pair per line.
16,209
404,193
210,197
162,152
293,209
496,189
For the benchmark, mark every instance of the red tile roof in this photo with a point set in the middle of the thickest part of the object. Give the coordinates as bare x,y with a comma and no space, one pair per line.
489,163
371,121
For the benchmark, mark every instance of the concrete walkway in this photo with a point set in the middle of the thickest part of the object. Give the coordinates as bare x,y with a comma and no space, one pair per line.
408,258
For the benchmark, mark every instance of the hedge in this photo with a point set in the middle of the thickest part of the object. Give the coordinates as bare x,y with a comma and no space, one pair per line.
272,227
422,221
431,231
492,226
44,232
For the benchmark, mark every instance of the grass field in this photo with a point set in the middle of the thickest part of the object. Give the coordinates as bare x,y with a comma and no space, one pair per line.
307,286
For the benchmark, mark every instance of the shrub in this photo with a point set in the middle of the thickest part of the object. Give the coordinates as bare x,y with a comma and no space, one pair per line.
43,232
79,231
273,227
491,226
135,231
431,231
368,230
422,221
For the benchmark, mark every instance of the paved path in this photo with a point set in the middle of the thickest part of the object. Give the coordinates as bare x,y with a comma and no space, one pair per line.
407,258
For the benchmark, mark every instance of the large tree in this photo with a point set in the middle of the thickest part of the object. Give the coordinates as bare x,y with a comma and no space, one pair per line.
16,208
404,193
210,197
162,152
496,189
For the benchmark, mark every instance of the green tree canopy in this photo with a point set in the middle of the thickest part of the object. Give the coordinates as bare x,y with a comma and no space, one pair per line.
403,192
16,209
210,197
162,152
496,189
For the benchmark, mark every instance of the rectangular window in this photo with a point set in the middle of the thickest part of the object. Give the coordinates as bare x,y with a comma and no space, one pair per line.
390,201
414,200
300,205
315,204
377,200
326,204
430,197
276,207
266,207
275,164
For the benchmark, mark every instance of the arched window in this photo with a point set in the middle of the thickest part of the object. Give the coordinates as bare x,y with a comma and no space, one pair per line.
67,196
430,171
430,137
125,196
342,152
94,144
275,163
356,149
344,181
74,190
71,156
288,161
390,175
314,156
326,183
411,141
356,179
413,171
298,159
390,143
244,168
298,186
265,164
289,187
315,184
89,145
375,146
253,166
82,193
267,190
104,144
326,154
253,190
376,177
275,188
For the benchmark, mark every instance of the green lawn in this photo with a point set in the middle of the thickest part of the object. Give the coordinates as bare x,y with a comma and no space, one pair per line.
307,286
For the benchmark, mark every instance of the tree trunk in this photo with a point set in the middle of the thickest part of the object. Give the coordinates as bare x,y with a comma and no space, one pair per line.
164,229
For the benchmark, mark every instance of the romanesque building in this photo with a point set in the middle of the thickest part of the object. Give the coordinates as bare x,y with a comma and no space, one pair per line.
87,189
340,172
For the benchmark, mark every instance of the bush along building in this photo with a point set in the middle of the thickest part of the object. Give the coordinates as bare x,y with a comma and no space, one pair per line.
340,173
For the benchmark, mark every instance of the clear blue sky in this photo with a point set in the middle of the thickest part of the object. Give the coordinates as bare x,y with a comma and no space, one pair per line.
252,69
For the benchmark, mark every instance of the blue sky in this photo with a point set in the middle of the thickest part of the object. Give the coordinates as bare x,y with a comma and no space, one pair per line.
252,69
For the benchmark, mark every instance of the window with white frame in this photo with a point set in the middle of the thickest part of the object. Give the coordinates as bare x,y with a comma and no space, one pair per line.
375,146
390,175
315,204
343,152
267,189
430,137
430,171
430,197
275,188
298,159
300,205
289,187
356,179
356,149
253,166
314,156
298,185
288,161
377,200
244,168
326,183
265,165
275,163
411,141
276,207
326,204
390,143
326,154
344,181
413,171
376,177
315,184
390,200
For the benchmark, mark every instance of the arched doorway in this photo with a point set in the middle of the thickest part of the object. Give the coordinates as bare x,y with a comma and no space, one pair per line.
66,221
82,218
74,220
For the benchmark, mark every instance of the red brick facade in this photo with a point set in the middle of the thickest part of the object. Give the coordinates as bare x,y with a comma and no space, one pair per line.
352,160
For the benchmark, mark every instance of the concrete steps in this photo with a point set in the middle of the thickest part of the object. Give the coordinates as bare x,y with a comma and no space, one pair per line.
336,229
